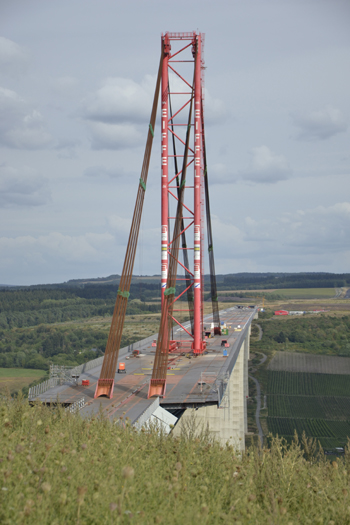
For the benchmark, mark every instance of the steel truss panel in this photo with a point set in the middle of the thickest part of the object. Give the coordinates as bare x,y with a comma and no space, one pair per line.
177,77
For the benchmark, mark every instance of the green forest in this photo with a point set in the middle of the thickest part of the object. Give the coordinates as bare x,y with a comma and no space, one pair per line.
39,325
51,323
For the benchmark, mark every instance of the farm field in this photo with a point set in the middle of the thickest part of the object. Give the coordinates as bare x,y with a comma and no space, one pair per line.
317,404
307,293
14,379
328,407
317,364
306,384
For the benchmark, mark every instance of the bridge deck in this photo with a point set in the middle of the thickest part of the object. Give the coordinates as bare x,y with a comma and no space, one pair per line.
191,381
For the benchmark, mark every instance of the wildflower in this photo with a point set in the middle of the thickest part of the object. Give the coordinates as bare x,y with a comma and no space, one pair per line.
128,472
39,422
81,494
63,498
46,487
178,466
204,509
112,506
84,446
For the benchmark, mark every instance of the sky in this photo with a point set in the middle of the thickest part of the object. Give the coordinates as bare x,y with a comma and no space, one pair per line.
77,79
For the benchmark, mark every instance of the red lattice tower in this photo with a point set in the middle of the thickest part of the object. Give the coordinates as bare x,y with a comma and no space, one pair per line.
183,74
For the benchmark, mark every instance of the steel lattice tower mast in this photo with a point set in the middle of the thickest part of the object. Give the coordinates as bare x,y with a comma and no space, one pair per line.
181,80
185,88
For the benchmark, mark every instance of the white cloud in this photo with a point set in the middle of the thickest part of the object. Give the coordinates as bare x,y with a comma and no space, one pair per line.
314,239
118,113
104,172
321,124
266,166
65,86
214,109
115,136
219,173
12,56
23,187
121,100
317,230
67,148
56,246
20,126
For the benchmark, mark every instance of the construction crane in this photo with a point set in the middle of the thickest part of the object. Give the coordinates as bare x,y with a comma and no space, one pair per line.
184,199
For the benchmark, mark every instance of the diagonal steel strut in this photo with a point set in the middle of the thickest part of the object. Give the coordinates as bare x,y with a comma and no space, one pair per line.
105,384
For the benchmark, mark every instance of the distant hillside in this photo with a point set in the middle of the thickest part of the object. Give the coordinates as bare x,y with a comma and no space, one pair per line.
232,281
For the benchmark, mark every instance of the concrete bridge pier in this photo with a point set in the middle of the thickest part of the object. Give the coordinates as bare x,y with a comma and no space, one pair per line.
228,421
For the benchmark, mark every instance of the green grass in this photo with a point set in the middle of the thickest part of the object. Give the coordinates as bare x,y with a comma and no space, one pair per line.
21,372
57,468
14,379
306,293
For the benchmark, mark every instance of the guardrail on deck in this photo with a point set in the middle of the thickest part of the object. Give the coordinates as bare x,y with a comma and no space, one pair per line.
35,391
76,406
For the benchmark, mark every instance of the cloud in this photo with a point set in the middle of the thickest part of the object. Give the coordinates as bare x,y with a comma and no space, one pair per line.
104,172
115,136
214,109
321,230
56,246
20,126
13,58
65,86
121,100
219,173
67,148
118,113
321,124
22,188
311,238
266,167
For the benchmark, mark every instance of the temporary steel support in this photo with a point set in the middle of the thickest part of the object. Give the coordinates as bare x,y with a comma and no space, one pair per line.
189,92
164,191
198,309
105,384
185,89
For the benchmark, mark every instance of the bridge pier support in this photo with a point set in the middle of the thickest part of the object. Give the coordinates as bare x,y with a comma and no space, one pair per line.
227,423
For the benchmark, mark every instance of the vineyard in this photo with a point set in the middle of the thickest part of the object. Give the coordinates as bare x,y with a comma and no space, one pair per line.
306,384
317,404
318,428
332,408
314,364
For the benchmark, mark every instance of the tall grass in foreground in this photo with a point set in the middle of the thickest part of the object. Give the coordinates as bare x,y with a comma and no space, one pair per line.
57,468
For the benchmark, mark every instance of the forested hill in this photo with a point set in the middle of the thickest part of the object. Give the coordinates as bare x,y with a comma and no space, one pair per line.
34,305
263,281
79,299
